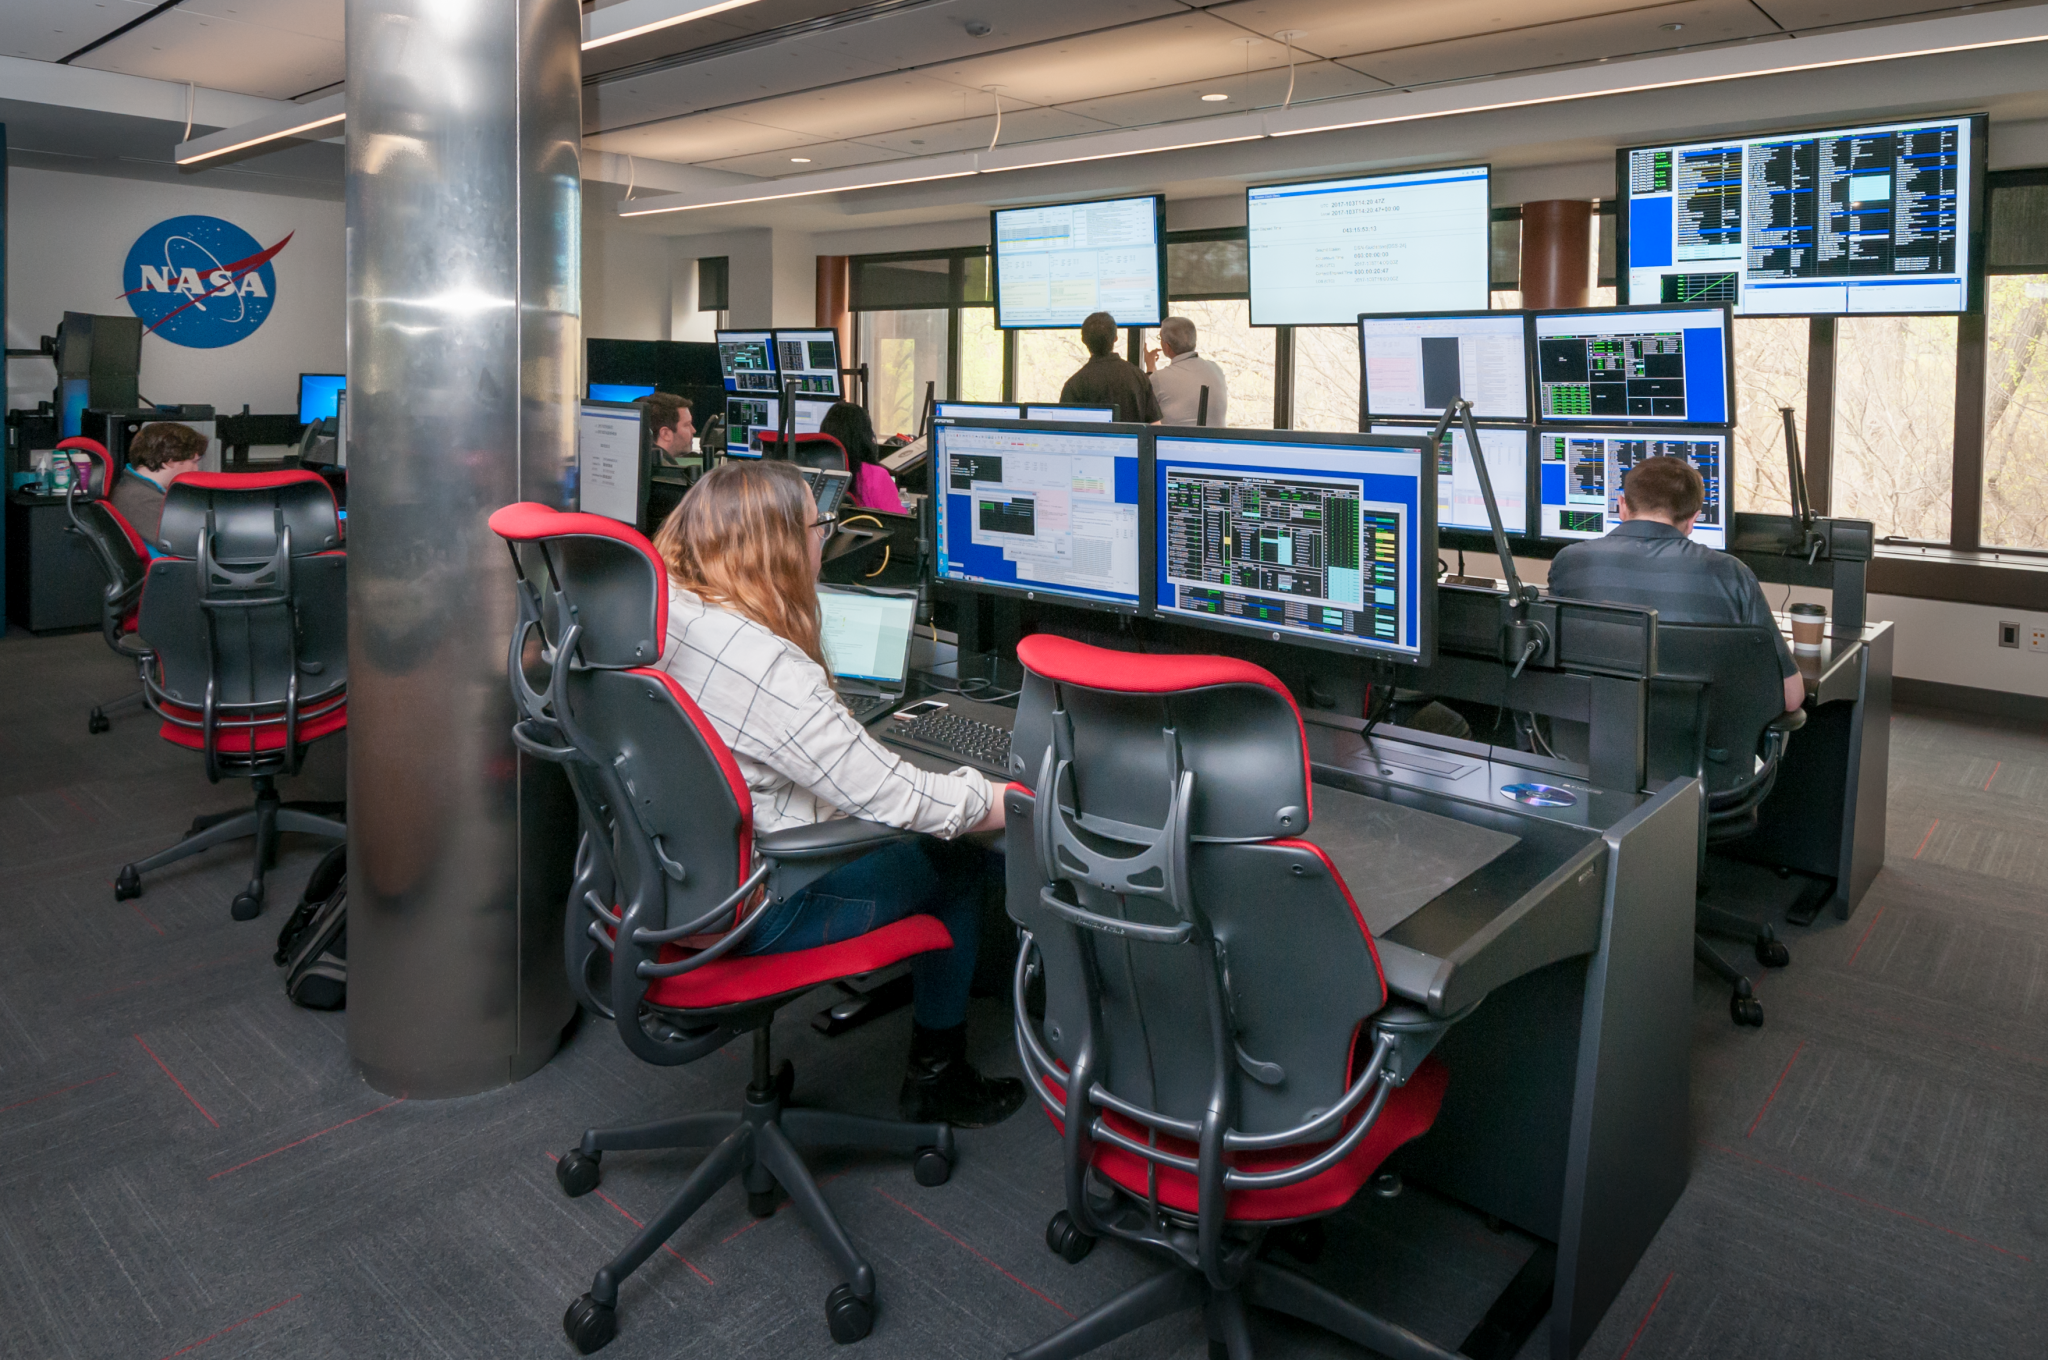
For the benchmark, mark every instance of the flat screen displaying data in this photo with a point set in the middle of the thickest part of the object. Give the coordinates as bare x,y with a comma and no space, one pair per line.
810,413
747,359
1869,219
1579,473
608,462
1056,264
1415,366
1040,509
1637,365
1322,253
745,419
619,391
976,410
810,359
1460,503
1311,540
1094,415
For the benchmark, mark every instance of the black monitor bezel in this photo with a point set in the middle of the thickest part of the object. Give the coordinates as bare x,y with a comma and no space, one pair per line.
301,405
1980,198
1425,566
1250,285
995,277
1536,416
1040,594
775,338
1725,433
1528,370
644,446
730,398
1459,536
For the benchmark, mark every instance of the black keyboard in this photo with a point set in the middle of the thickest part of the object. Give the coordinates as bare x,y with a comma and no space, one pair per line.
978,743
865,706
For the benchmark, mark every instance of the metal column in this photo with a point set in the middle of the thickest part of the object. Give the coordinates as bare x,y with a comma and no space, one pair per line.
464,288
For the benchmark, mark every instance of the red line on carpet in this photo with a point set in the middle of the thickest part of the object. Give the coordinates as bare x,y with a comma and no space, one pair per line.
1026,1286
231,1326
1993,775
757,1222
1647,1316
179,1084
1774,1090
1928,837
166,977
1866,937
638,1224
58,1092
1862,1199
136,907
307,1139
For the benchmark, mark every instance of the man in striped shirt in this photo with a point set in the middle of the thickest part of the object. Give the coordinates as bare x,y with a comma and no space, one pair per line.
1650,559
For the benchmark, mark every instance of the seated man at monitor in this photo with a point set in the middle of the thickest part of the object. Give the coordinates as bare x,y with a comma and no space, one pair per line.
1108,379
674,427
1650,559
1179,385
161,452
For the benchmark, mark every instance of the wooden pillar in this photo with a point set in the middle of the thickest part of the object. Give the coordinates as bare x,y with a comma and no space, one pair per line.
834,288
1557,253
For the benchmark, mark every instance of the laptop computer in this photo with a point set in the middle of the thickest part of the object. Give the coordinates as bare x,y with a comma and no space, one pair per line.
866,635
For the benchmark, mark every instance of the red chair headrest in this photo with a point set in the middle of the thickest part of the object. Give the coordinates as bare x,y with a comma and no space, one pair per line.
246,509
608,570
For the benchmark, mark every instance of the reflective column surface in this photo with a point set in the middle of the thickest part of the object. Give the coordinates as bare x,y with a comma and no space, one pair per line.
463,296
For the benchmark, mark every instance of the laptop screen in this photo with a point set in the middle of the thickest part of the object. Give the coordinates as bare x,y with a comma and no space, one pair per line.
867,637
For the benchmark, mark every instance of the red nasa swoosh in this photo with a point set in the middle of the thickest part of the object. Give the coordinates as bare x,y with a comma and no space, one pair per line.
235,270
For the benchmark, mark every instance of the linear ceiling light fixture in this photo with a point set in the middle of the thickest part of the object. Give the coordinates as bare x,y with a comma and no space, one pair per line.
297,120
1310,119
637,18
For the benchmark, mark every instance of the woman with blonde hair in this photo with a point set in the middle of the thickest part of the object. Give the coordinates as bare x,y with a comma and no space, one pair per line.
743,551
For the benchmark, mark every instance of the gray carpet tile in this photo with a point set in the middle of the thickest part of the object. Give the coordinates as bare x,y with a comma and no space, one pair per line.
190,1166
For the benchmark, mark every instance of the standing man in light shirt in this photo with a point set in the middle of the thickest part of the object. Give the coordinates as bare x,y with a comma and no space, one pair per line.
1178,386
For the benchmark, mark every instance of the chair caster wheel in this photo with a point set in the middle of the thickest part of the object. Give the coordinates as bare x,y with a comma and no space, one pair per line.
590,1325
578,1173
1772,953
848,1315
247,906
762,1203
931,1167
1746,1009
98,723
1386,1184
1064,1238
127,883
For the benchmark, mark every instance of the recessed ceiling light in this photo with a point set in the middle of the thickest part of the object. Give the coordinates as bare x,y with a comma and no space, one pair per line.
1214,98
799,160
1672,28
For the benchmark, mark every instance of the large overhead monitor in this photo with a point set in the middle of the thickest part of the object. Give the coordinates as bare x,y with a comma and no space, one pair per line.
746,359
1412,367
1056,264
1510,462
1653,365
1325,251
1316,538
317,392
808,358
1882,218
1049,511
611,479
1579,475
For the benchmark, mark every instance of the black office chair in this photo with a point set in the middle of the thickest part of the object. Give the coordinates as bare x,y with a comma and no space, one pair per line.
806,450
247,620
670,879
1217,1049
1717,712
121,555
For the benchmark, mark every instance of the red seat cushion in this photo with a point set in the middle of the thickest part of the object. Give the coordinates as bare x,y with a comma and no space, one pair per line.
731,981
1407,1115
242,741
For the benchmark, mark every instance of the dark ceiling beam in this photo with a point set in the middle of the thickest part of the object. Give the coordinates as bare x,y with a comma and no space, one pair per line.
96,43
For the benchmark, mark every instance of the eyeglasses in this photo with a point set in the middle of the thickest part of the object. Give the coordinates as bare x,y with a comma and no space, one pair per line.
826,522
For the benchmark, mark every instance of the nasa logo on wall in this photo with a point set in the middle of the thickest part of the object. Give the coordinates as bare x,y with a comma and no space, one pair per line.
200,282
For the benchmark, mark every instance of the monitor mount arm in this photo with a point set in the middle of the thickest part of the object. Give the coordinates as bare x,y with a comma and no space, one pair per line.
1522,638
1811,540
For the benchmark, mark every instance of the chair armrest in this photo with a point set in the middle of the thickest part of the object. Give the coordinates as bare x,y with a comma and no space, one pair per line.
1788,722
840,838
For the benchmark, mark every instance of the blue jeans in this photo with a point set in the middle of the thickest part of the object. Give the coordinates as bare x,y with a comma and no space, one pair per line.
936,878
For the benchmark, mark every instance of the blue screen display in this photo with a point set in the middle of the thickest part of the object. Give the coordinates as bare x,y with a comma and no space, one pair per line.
317,392
620,391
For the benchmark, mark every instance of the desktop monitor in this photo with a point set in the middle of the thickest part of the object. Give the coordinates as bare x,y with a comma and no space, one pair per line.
611,463
746,359
1510,460
317,392
976,410
1324,539
1882,218
745,418
1579,475
1050,512
1056,264
808,358
1671,366
1323,252
810,413
1055,411
1412,367
619,392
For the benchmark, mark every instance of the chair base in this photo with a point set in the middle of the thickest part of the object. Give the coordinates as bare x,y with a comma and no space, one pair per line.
270,816
1227,1314
98,723
757,1147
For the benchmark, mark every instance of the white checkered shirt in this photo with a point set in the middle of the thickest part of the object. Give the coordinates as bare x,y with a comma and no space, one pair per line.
805,758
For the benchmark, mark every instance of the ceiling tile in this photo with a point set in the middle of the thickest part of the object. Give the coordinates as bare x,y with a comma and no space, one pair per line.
44,30
692,141
313,18
823,156
1809,14
1263,90
224,54
1170,51
1337,28
973,134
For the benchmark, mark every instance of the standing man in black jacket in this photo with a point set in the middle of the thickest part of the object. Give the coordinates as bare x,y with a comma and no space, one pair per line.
1107,379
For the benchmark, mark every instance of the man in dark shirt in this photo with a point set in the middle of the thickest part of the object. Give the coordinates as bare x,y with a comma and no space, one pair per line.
1650,559
1107,379
161,452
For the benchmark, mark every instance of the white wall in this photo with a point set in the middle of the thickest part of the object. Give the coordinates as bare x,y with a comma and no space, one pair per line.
68,237
626,283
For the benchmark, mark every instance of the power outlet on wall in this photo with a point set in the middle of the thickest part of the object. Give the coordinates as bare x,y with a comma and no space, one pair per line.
2037,638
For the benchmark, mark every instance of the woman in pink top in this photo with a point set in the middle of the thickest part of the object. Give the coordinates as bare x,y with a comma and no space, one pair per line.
872,487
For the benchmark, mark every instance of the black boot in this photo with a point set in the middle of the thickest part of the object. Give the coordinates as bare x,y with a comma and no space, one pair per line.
942,1087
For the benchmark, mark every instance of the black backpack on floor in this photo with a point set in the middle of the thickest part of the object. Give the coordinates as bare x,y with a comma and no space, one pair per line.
313,946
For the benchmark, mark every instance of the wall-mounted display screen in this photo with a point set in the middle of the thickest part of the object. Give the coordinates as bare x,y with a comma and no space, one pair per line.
1882,218
1321,253
1056,264
1579,473
1670,366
